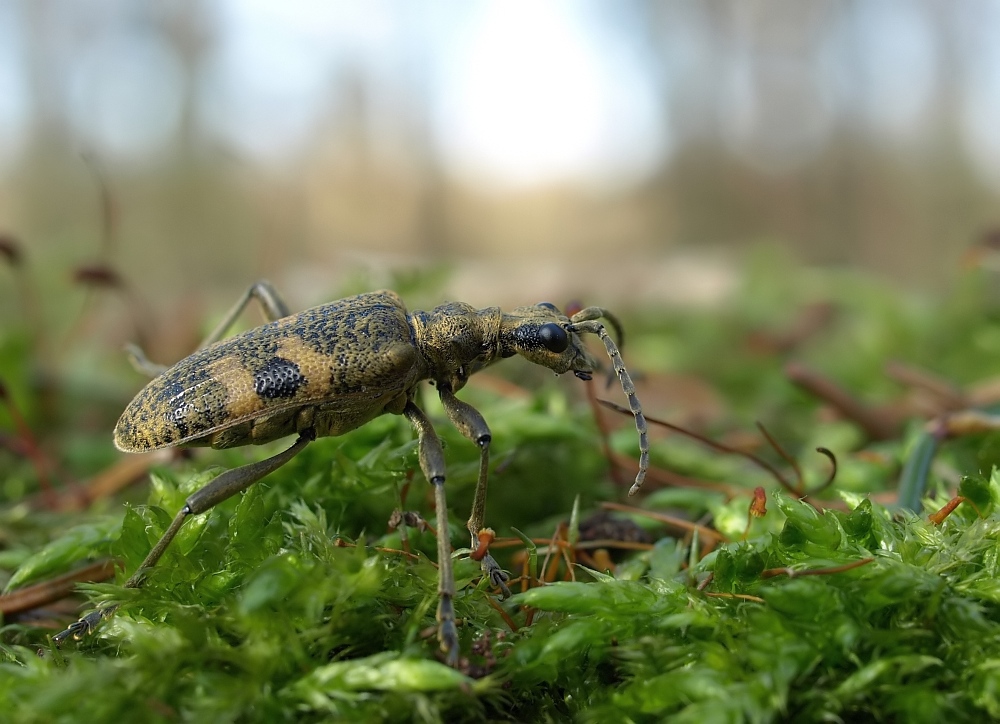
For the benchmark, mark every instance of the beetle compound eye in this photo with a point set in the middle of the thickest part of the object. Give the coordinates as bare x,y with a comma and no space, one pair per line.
548,305
553,337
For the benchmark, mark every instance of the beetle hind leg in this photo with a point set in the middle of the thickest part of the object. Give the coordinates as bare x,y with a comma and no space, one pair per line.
223,486
141,363
270,301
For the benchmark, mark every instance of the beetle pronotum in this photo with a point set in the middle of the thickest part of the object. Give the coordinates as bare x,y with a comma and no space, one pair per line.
331,369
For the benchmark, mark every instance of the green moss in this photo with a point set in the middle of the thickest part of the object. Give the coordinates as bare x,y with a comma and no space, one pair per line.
288,603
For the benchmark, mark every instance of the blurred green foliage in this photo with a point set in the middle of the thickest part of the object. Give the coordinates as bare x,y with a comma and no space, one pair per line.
288,602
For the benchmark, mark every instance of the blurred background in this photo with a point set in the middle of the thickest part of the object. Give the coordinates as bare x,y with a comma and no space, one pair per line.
707,170
623,152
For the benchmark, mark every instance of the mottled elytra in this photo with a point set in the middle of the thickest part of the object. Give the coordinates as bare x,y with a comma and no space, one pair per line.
331,369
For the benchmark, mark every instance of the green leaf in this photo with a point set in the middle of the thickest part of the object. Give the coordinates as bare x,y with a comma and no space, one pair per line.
80,543
273,582
383,672
861,682
804,522
978,491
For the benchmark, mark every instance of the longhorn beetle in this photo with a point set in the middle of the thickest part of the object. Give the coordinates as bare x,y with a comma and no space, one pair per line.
331,369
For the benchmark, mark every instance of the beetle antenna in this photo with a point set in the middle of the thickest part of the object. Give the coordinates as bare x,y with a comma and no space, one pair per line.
615,324
588,323
619,333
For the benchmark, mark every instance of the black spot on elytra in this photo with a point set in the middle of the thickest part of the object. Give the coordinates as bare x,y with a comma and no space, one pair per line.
279,377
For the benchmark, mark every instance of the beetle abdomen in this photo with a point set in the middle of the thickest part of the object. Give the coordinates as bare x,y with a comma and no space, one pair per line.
278,378
357,350
188,401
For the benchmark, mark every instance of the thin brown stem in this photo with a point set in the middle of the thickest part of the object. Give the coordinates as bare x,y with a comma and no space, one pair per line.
670,520
709,443
39,594
793,573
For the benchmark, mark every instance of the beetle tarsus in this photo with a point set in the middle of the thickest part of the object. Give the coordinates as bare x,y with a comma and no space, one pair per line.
84,626
447,630
496,575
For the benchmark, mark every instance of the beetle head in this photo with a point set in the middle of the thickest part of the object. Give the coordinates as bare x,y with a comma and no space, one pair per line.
544,335
547,337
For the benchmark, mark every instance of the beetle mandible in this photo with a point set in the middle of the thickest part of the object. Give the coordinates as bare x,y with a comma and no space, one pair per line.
331,369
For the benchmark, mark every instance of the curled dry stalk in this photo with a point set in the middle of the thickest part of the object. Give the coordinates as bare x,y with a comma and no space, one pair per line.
797,489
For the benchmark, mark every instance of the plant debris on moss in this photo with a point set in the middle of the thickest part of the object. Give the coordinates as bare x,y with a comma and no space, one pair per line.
752,580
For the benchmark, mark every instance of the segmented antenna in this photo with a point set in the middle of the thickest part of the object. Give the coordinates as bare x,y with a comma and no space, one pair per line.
586,321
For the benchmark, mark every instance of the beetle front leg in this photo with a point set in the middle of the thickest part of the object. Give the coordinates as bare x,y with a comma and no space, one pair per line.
431,456
222,487
471,424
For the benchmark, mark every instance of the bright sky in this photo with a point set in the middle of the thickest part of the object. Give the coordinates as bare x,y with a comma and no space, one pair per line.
531,92
513,92
522,92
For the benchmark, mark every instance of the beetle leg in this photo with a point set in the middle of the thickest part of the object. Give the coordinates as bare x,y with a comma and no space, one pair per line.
471,424
271,303
141,363
224,486
431,456
239,479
